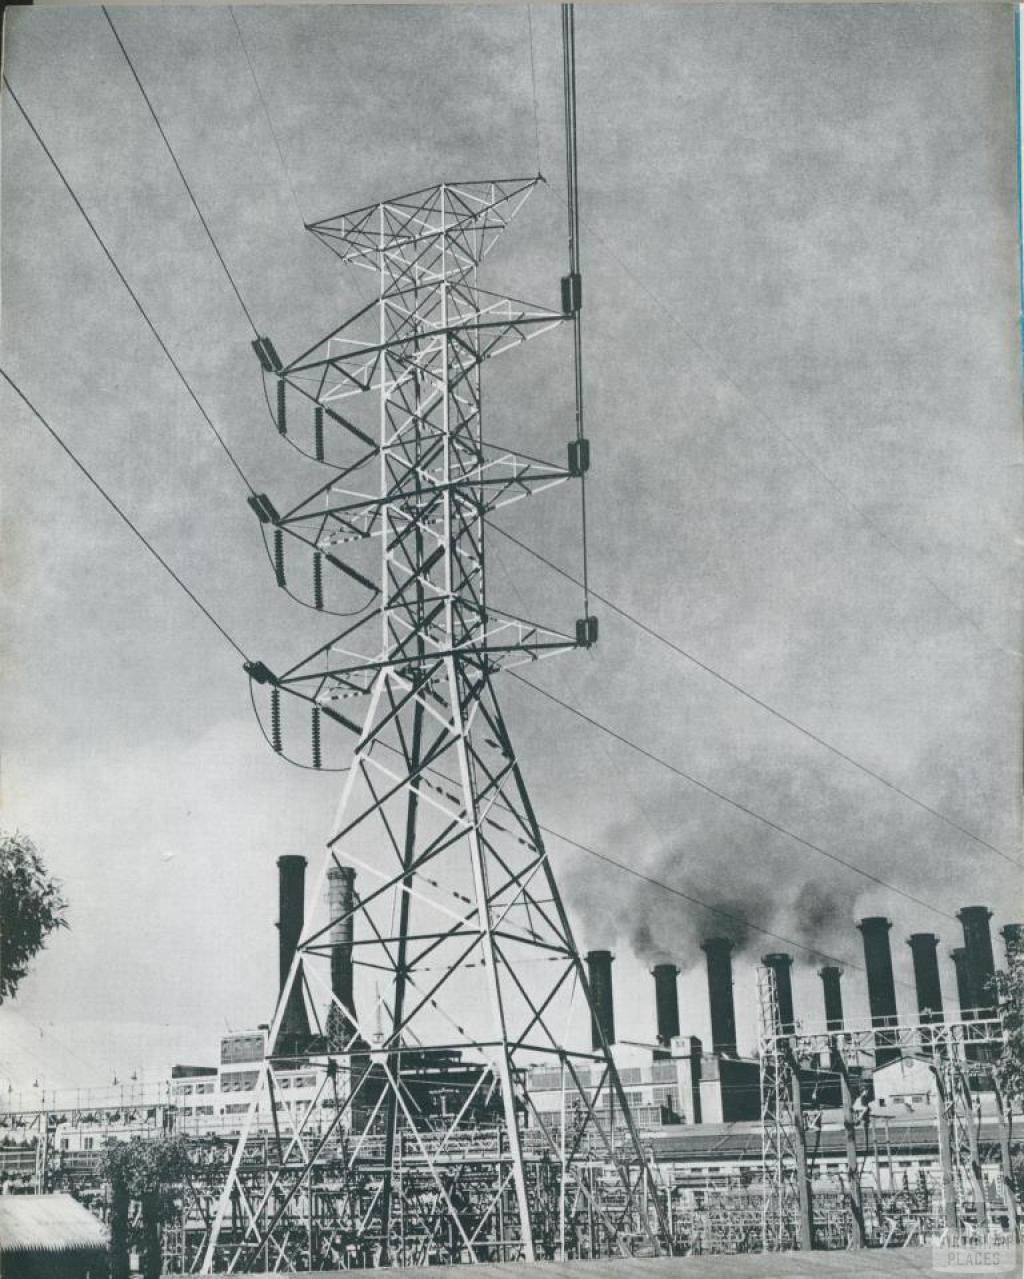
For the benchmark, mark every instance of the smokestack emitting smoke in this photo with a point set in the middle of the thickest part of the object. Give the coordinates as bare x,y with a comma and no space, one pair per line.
666,1000
602,1013
924,949
1013,940
341,902
830,983
718,952
780,963
881,985
291,881
741,897
979,960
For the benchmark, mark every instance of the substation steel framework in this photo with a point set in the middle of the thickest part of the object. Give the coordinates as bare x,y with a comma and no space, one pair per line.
423,1144
956,1052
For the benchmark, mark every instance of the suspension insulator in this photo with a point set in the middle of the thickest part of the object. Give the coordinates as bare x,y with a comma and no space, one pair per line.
265,510
316,737
275,719
282,422
318,432
268,357
318,580
279,557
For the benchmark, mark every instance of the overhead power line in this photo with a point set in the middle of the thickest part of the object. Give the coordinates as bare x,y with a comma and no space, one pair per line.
572,286
727,799
266,113
652,880
567,839
732,916
752,697
120,512
174,159
533,83
240,651
715,367
131,292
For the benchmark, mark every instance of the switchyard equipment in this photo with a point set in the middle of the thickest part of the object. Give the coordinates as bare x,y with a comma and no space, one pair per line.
958,1054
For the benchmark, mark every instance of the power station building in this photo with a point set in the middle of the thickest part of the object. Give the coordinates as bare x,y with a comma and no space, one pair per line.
695,1105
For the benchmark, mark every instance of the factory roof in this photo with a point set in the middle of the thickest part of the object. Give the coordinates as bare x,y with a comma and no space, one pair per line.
47,1223
701,1142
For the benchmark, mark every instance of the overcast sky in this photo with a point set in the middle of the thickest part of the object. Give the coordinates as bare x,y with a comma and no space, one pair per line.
803,393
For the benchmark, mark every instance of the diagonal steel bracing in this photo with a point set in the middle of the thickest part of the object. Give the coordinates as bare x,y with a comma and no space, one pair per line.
425,1147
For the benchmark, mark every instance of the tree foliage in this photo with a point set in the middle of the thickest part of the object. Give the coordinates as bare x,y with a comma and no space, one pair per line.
31,907
153,1165
1009,1068
148,1171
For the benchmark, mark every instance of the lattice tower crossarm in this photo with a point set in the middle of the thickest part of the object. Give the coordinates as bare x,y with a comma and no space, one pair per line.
457,922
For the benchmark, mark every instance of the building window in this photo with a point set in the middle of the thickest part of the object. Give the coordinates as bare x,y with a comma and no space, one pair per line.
544,1080
241,1048
238,1080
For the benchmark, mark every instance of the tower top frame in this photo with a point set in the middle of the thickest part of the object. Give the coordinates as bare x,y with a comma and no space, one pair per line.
470,215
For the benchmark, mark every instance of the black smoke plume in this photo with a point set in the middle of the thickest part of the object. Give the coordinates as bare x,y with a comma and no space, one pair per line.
727,892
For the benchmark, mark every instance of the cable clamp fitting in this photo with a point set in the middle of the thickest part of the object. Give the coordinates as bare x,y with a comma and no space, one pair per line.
579,456
260,673
586,632
572,293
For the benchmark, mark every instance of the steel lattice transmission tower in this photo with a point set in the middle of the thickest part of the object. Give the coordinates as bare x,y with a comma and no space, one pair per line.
424,1139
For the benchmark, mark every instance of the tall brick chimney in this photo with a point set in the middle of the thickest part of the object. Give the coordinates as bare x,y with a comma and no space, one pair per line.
602,1018
718,953
294,1033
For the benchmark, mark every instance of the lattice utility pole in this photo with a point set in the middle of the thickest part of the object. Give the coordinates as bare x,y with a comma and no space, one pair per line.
785,1211
947,1047
852,1186
424,1144
960,1115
